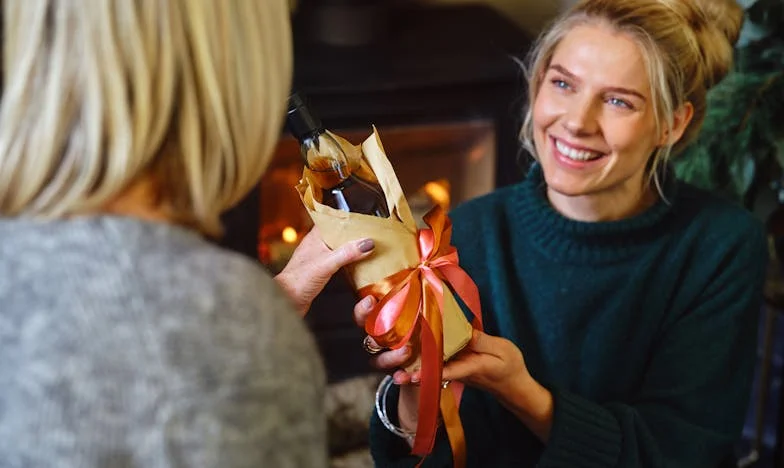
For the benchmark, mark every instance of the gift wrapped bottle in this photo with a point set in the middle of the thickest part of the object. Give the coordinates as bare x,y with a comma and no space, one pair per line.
340,178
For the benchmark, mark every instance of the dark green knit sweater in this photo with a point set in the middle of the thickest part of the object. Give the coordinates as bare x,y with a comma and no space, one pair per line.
643,329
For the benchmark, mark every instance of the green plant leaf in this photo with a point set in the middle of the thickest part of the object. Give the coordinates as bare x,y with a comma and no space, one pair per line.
742,138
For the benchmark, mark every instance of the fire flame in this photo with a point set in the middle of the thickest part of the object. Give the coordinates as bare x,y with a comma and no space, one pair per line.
289,235
438,191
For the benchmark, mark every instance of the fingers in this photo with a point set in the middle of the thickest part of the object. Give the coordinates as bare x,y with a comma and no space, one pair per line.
401,377
312,236
312,245
483,343
313,259
458,369
388,359
371,346
392,359
362,309
346,254
313,264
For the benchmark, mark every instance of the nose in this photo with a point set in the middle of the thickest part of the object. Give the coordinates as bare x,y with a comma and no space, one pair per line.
580,118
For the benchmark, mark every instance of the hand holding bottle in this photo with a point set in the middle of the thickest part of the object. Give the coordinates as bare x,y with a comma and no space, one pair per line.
313,264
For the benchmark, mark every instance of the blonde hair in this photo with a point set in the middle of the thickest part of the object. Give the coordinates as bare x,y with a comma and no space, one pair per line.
98,93
687,47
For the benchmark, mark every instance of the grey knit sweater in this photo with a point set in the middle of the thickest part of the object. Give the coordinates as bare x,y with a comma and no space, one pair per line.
128,344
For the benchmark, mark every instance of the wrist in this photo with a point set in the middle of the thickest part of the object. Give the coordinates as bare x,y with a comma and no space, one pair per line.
532,403
381,410
408,406
287,286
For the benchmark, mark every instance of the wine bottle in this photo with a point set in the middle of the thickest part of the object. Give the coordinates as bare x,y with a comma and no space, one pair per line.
341,187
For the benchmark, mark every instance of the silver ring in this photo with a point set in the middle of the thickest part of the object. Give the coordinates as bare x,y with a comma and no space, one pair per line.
370,347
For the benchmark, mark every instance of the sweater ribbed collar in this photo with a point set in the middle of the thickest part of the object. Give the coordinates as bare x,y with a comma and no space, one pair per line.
564,239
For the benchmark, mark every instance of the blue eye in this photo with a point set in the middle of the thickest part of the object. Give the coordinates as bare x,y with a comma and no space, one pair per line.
561,84
619,103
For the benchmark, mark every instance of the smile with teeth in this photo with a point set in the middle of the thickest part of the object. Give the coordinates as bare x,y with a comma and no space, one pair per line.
577,155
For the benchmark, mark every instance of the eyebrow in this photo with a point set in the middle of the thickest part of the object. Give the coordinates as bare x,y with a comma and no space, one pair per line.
614,89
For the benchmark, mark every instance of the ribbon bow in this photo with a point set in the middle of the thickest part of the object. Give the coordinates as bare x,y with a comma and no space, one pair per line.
414,298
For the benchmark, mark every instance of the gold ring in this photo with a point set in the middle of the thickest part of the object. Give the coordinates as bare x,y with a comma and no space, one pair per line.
370,347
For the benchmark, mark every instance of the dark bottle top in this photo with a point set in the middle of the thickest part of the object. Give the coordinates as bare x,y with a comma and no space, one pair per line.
330,167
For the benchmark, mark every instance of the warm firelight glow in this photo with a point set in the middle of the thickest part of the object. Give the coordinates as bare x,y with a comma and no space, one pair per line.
438,191
289,235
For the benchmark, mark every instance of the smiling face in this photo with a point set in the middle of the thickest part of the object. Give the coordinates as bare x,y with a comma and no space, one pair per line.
594,125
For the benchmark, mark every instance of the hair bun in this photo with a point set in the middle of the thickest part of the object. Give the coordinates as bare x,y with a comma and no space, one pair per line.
724,15
717,25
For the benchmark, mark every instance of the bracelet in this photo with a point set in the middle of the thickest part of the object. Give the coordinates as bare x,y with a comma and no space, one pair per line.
381,410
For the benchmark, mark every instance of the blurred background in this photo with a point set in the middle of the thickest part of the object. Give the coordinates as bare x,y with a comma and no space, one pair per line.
440,80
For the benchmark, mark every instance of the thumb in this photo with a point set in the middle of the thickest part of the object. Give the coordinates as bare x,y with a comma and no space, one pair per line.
460,366
481,342
346,254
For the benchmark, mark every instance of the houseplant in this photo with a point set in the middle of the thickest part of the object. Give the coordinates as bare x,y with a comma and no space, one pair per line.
740,150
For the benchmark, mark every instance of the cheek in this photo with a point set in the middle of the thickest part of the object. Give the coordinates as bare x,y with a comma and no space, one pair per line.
637,140
546,110
538,108
541,121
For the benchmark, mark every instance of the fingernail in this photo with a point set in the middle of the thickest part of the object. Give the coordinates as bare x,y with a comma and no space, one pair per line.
366,245
367,302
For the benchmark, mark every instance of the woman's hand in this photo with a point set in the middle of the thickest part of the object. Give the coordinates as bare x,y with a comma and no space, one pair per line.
386,360
497,366
392,361
491,363
313,264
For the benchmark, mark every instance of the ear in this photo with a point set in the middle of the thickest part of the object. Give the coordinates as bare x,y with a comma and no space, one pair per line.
681,119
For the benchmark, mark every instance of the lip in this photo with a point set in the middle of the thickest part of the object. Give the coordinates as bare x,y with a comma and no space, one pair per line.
569,163
577,147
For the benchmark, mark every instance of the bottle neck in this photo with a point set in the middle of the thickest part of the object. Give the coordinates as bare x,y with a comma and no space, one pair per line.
311,137
325,158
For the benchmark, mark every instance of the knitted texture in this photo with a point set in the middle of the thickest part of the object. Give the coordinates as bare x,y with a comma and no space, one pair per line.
643,329
132,344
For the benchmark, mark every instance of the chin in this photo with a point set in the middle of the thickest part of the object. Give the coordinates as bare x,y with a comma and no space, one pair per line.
567,182
571,181
567,188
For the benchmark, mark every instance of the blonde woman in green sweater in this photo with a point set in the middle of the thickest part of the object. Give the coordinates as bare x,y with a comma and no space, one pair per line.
620,305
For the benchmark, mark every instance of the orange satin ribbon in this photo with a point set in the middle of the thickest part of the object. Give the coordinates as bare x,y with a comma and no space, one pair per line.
415,296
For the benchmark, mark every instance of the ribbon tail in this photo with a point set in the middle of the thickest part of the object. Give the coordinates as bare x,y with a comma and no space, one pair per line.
430,387
466,289
454,428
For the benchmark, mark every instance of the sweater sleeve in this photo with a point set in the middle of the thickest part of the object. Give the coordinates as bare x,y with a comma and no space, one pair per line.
691,405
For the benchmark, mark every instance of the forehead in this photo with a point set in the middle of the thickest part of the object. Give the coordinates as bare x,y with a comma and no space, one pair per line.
602,56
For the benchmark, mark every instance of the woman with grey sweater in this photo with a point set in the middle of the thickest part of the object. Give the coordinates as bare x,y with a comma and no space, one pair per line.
126,338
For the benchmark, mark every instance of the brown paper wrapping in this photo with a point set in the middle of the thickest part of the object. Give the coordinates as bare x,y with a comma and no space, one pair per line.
395,237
